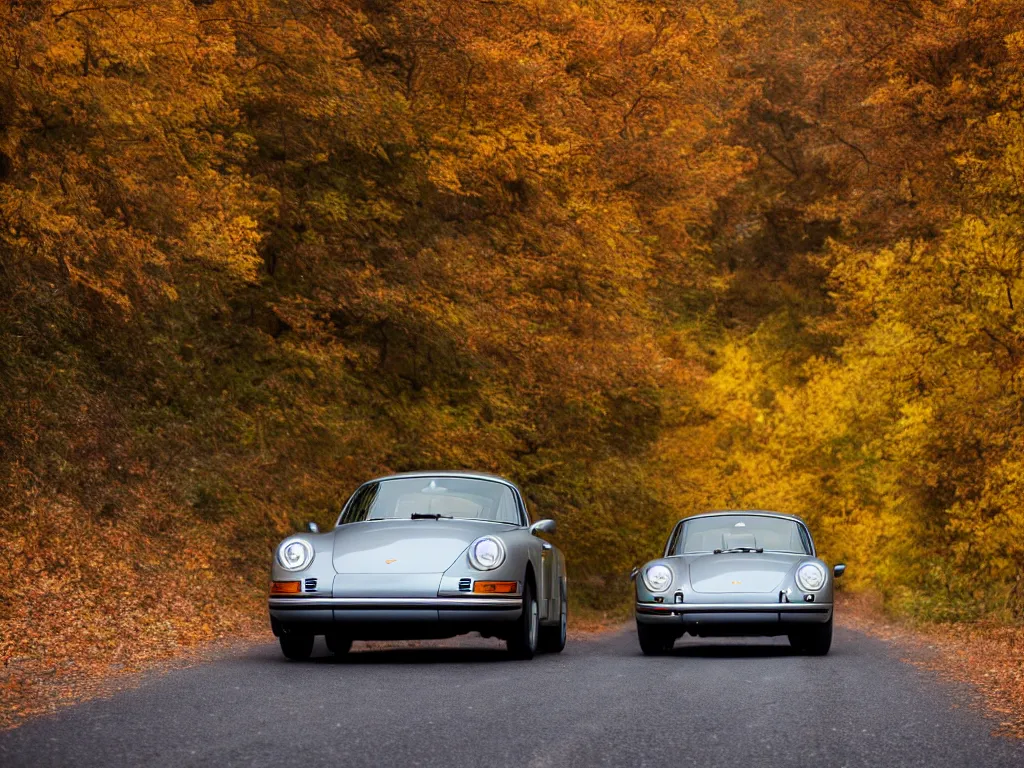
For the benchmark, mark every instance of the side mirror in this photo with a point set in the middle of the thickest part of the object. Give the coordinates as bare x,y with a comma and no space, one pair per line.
543,526
312,527
839,570
633,574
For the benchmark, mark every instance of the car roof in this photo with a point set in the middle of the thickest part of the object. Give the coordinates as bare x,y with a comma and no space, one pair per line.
761,512
445,473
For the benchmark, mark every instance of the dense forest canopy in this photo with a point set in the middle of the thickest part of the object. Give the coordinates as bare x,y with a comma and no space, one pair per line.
642,258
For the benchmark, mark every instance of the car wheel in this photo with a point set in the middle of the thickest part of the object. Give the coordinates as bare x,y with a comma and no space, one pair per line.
337,644
814,640
522,643
552,639
654,641
297,646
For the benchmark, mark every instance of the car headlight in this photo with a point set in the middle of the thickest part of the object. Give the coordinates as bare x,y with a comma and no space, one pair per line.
295,554
486,553
658,578
810,577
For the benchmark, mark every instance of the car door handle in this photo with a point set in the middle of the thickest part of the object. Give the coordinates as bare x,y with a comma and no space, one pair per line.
545,546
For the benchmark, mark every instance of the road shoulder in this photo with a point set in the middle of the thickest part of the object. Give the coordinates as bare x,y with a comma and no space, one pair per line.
988,657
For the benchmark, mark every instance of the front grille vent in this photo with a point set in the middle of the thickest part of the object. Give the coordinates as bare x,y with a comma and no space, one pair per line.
311,585
465,585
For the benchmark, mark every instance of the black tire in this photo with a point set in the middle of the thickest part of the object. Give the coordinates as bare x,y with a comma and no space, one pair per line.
654,641
552,639
522,643
297,646
814,640
337,644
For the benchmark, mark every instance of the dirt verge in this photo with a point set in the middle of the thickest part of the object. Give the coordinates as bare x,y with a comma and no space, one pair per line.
990,657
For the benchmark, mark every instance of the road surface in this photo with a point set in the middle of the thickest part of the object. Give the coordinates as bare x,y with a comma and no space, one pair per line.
712,703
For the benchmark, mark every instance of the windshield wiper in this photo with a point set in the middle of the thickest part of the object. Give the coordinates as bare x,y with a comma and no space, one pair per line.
758,550
427,516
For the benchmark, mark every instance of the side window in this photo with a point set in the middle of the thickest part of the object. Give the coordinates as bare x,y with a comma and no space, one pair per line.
361,504
508,509
673,540
805,537
522,516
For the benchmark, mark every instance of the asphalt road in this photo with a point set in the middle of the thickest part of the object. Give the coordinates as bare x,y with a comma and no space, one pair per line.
712,703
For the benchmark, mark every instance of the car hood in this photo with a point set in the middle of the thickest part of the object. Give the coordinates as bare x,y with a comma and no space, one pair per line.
405,546
741,572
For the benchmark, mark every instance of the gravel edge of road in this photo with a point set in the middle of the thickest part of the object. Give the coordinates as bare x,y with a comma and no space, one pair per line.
28,694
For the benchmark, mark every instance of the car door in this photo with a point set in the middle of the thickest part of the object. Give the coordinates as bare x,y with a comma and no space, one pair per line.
546,574
550,573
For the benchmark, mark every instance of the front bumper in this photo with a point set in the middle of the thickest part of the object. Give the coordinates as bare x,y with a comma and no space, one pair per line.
397,603
732,613
399,617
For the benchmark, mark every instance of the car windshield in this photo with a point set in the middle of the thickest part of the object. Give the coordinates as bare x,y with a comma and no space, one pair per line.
459,498
742,532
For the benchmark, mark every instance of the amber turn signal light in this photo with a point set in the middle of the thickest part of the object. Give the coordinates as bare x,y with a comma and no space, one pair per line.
495,586
285,587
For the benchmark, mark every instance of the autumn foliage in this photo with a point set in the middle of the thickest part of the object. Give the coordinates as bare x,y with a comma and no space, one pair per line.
643,258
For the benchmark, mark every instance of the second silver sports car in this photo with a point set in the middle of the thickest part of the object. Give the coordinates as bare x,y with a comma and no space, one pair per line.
422,555
733,574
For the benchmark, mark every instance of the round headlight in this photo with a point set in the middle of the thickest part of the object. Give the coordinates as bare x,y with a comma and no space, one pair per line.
810,577
486,553
295,554
658,578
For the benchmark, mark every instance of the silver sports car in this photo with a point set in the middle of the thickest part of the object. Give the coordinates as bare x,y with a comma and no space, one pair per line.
422,555
729,574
